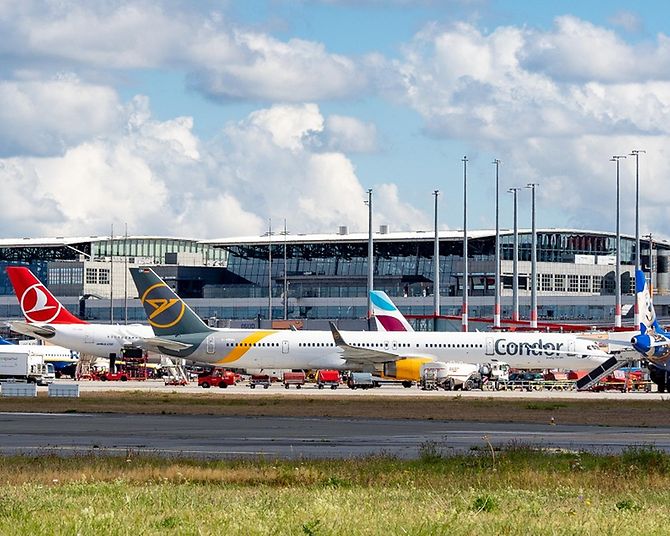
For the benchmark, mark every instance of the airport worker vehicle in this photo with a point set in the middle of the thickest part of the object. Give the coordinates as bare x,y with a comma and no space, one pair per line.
63,360
360,380
294,378
24,366
262,380
216,377
328,378
450,376
179,332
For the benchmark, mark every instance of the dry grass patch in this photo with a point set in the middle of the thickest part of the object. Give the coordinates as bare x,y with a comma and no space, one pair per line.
521,492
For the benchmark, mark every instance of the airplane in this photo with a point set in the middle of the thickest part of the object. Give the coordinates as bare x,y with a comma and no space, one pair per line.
181,333
386,314
63,360
653,342
47,319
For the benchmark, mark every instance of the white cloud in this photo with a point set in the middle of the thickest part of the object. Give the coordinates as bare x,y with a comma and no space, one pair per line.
160,178
45,117
222,60
348,134
294,71
554,105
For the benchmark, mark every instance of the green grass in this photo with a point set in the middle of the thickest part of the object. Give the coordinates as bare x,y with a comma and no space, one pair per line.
519,491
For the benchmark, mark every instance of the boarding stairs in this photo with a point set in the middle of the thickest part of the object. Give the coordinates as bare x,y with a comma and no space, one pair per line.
85,367
613,363
173,374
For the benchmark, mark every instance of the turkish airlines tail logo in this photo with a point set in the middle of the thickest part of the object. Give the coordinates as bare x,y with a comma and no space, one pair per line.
37,303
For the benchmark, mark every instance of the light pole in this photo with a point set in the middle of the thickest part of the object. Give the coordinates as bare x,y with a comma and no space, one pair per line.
285,274
370,255
617,282
496,306
436,268
636,154
515,260
533,260
270,271
465,245
651,266
125,276
111,275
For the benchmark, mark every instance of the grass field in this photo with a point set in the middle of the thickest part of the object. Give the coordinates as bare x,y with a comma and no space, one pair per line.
598,411
512,492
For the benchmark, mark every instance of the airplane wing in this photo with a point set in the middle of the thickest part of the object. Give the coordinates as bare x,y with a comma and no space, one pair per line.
32,330
360,356
154,344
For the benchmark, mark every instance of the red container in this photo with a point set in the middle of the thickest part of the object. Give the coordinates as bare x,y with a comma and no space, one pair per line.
328,376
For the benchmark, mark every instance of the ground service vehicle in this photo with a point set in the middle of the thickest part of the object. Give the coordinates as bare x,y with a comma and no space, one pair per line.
260,379
329,378
216,377
450,376
23,366
294,378
360,380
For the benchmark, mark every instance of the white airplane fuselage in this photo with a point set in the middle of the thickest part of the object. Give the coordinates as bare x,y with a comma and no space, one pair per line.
317,349
102,340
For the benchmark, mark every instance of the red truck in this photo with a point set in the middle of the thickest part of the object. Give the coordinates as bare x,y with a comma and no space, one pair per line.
328,377
216,378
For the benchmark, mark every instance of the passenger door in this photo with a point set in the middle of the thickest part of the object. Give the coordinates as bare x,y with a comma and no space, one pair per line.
284,347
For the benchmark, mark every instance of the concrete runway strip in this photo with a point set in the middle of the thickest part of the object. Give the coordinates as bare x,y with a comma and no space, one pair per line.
386,390
211,437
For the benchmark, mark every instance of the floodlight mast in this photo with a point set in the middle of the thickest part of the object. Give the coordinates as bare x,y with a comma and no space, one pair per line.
617,283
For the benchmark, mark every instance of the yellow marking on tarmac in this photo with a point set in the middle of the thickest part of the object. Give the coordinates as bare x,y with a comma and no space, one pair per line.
244,346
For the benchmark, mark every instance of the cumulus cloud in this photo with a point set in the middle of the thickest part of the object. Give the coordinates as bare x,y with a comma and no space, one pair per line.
46,117
554,105
160,178
220,59
349,134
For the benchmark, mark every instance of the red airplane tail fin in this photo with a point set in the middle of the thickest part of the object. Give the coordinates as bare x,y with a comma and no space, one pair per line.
37,303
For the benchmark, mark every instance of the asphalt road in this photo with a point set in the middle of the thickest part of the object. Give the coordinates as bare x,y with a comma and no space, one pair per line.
386,390
290,438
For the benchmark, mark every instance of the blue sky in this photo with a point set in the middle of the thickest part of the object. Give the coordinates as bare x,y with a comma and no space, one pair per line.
205,119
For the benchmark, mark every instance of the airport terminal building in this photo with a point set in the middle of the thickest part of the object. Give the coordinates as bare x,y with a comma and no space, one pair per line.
316,277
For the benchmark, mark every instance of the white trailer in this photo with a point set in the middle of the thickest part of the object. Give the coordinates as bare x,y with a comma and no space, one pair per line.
24,366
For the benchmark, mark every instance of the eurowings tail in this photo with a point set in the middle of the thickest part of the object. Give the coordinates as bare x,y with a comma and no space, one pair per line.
37,303
387,316
166,312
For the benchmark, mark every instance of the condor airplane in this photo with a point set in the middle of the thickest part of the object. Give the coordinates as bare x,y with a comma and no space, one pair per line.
47,319
399,354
